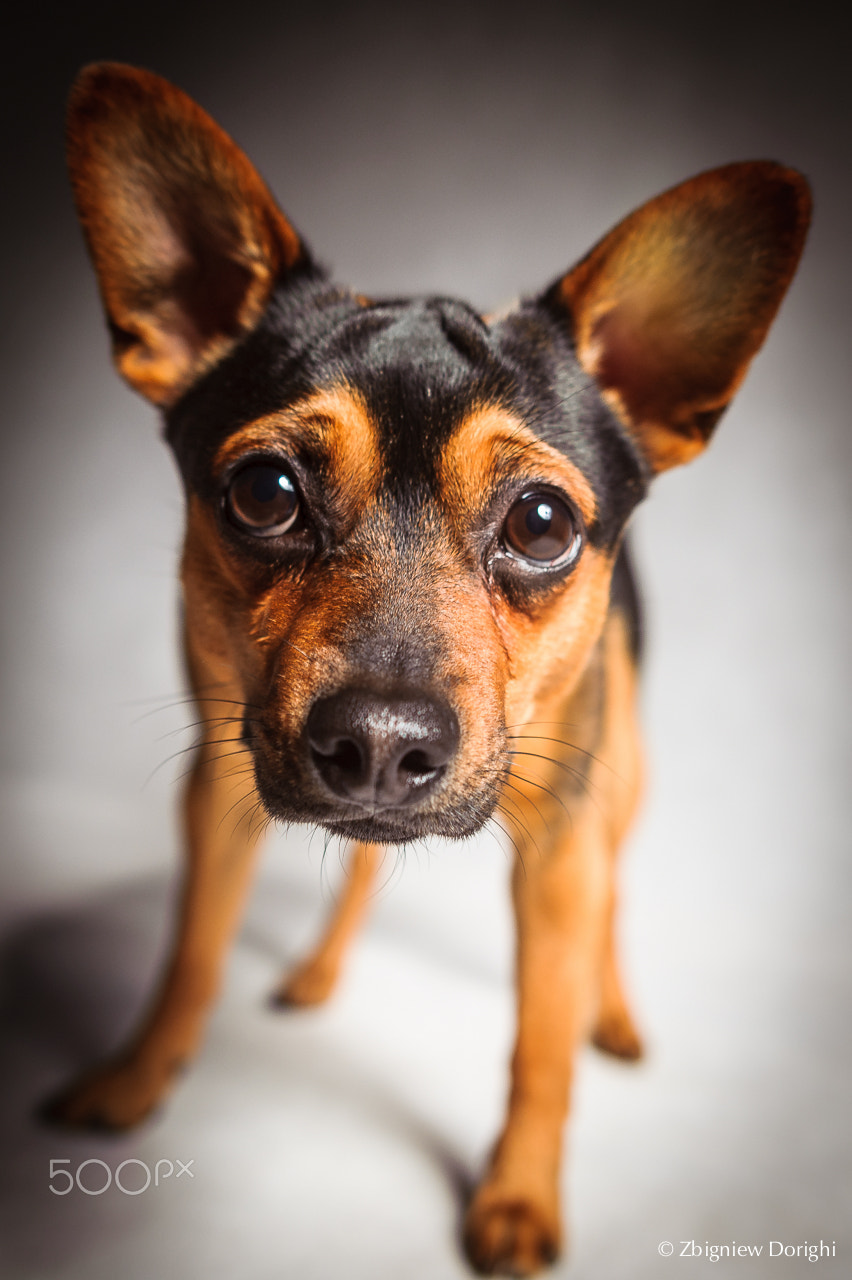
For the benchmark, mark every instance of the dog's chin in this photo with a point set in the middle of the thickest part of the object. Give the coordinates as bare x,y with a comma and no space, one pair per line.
394,826
387,828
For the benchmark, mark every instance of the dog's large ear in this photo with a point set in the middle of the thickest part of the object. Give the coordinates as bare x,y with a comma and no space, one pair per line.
186,239
669,308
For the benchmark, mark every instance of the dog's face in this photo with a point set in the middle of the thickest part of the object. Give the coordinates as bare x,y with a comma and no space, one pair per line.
403,518
402,547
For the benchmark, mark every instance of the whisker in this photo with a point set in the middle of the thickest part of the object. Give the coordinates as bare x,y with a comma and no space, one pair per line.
332,897
194,747
243,827
572,746
552,760
176,755
533,782
259,821
207,723
513,842
191,700
520,826
250,799
383,886
528,724
508,784
246,770
541,786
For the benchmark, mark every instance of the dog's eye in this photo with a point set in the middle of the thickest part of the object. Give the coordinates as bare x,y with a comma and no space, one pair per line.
262,499
541,528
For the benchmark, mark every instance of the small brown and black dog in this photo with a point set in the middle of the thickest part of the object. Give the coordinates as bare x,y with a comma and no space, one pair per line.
404,576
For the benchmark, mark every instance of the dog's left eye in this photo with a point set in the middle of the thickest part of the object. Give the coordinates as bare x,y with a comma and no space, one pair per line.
540,528
262,499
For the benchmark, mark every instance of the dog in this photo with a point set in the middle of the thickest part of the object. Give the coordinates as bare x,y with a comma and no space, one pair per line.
408,608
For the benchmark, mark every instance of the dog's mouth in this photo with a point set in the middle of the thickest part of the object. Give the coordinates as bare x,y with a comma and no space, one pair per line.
378,767
288,797
452,821
389,827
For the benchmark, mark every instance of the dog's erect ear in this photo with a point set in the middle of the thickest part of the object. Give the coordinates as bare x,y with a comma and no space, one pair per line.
669,308
186,239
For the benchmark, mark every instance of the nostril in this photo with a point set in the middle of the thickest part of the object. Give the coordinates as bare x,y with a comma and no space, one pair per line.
344,753
419,767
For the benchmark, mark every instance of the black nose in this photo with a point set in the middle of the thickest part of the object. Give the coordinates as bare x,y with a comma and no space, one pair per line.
381,752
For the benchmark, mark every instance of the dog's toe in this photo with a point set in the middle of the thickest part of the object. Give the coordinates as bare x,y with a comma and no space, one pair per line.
510,1236
110,1098
310,984
617,1035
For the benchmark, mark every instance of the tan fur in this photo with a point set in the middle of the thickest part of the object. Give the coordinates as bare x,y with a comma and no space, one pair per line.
492,443
334,422
546,653
568,985
315,978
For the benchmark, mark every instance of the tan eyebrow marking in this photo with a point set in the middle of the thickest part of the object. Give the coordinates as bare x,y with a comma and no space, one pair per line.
488,442
335,422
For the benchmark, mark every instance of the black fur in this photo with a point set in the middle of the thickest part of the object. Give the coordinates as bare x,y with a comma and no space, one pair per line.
421,365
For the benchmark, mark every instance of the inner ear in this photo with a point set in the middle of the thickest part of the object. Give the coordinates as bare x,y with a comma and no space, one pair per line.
186,239
670,307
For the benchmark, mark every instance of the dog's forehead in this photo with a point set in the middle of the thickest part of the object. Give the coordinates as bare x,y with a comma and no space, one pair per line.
414,364
457,402
411,374
417,366
442,336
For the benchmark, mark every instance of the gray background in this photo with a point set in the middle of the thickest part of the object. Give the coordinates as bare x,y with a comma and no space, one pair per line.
476,151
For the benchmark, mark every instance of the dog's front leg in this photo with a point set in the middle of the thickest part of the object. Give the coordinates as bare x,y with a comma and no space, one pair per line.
314,979
561,898
222,828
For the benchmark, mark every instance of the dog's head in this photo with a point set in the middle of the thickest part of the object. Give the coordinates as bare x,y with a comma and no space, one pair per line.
402,517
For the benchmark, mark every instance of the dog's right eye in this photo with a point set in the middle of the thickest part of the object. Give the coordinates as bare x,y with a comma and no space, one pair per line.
262,499
541,530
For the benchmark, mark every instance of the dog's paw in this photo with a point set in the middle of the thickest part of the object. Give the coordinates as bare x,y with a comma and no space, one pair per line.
115,1096
615,1033
510,1235
309,984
